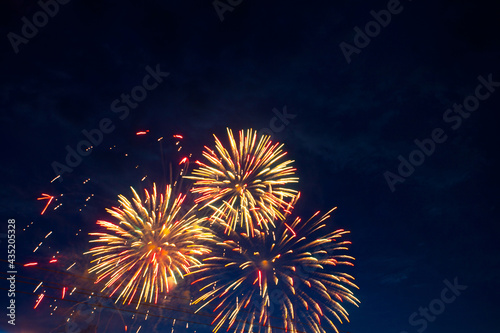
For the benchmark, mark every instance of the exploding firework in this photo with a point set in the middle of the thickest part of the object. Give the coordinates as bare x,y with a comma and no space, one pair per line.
151,246
290,272
246,184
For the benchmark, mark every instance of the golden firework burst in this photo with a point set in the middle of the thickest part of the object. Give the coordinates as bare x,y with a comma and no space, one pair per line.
245,185
150,246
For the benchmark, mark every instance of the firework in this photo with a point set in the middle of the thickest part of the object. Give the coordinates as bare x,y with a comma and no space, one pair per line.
290,271
151,246
246,184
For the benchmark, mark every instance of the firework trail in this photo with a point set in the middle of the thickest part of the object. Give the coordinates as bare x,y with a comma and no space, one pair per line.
150,247
290,271
245,185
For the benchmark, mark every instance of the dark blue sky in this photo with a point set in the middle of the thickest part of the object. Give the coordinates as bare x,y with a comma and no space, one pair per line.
355,119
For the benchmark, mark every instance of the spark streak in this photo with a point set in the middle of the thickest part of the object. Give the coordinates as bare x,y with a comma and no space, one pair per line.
45,197
39,300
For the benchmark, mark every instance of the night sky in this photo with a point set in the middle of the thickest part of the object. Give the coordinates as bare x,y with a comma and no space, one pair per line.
396,123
